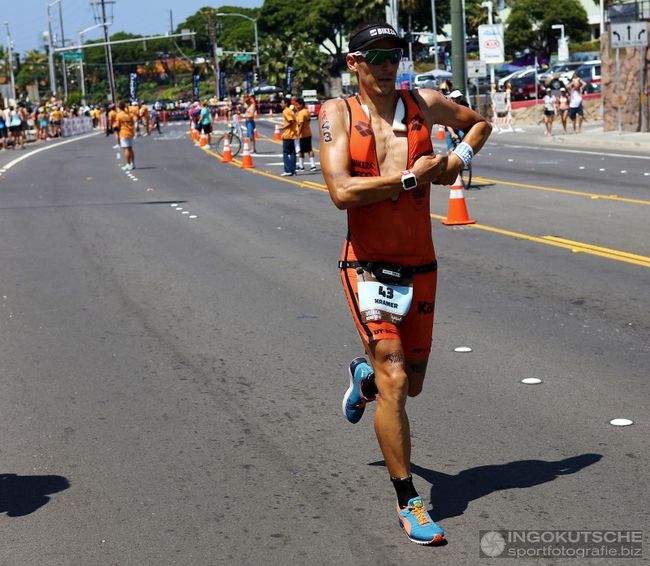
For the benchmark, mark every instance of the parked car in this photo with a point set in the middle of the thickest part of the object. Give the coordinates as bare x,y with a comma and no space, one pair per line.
590,73
559,74
425,80
530,72
523,88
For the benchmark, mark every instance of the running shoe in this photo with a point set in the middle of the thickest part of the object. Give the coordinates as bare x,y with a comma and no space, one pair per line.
354,403
287,174
313,168
418,525
126,167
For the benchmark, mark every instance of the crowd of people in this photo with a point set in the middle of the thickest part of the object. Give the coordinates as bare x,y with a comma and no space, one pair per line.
24,121
567,105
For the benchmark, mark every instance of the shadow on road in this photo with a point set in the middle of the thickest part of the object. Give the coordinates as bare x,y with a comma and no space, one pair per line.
22,495
451,495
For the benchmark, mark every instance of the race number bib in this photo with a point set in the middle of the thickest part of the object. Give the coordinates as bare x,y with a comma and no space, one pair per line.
383,302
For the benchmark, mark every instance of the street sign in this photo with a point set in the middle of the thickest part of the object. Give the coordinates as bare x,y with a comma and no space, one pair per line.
73,56
490,43
629,34
476,69
243,58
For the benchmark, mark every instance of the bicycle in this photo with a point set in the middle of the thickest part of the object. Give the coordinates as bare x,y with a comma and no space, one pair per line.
235,141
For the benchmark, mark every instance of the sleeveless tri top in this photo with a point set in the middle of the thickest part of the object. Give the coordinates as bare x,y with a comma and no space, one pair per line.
393,231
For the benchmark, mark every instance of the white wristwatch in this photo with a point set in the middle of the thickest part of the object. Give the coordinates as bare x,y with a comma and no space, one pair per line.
409,180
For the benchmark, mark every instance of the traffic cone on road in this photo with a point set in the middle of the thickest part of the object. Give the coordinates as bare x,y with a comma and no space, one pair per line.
246,159
257,136
271,114
276,134
194,132
227,154
441,133
457,211
203,140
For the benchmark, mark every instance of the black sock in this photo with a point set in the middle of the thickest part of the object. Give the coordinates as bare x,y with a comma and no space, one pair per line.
404,489
368,387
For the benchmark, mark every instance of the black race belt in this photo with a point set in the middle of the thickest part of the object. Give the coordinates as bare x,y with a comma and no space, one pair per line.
401,271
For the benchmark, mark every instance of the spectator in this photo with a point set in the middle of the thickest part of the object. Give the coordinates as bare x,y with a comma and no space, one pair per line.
563,108
205,122
126,127
249,116
289,134
576,113
550,110
303,117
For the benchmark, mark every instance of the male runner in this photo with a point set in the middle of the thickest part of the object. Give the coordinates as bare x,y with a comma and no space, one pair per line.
378,163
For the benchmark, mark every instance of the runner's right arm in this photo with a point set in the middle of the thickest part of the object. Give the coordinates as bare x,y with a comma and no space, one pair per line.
345,190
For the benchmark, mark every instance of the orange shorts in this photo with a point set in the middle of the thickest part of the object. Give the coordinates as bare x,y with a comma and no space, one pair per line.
415,331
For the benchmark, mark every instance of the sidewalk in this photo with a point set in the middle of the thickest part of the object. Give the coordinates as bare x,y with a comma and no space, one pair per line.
592,137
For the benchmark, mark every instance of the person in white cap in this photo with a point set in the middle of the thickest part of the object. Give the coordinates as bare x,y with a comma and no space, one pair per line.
378,162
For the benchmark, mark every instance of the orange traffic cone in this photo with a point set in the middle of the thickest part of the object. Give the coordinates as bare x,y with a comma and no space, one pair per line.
194,133
271,114
227,154
257,136
203,139
276,134
457,211
441,133
246,159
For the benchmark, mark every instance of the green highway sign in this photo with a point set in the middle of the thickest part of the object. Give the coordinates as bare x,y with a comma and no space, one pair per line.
243,58
73,56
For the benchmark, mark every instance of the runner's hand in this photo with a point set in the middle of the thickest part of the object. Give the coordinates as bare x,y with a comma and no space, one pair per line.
428,168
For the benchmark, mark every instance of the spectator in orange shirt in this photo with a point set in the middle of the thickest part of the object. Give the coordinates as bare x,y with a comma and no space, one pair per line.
289,134
303,117
126,131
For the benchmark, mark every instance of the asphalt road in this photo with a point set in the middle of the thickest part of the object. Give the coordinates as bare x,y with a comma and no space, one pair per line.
171,383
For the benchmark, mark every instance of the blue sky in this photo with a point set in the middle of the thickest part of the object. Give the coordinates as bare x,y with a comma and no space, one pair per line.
28,18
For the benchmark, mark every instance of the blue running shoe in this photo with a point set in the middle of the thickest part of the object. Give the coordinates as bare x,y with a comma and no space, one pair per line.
418,525
354,403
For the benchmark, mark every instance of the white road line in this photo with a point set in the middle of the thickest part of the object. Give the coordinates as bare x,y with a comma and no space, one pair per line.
566,150
22,157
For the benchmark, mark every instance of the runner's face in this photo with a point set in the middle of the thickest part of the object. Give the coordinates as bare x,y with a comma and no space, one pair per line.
375,79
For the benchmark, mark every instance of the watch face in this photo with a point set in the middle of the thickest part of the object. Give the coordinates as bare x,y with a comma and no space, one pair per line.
410,182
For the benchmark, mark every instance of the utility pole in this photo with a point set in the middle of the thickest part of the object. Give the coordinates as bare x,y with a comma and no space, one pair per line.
213,42
434,30
65,73
11,63
458,44
50,57
101,18
171,22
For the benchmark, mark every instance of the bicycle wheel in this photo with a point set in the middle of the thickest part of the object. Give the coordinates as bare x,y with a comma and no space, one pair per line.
235,145
466,177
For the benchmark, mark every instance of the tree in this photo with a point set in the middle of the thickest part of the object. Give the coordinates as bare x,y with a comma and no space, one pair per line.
326,22
529,25
34,68
308,61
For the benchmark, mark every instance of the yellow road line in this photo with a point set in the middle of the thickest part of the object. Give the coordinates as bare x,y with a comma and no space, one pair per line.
576,247
564,191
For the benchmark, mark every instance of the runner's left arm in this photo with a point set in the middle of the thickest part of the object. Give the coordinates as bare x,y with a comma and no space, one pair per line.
439,110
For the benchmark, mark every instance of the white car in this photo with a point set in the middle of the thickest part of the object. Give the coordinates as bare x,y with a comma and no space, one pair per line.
425,80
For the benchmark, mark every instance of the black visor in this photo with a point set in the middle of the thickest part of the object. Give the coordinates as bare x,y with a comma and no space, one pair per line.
373,33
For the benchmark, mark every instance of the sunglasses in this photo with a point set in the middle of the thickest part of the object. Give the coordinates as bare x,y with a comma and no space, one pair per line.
379,56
